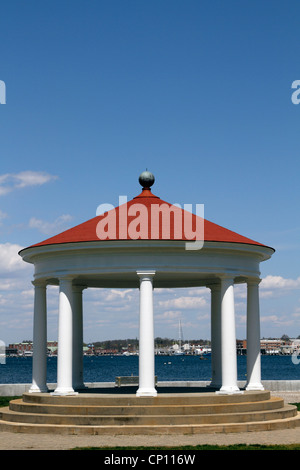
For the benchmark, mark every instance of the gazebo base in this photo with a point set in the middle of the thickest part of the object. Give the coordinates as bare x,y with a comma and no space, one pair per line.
120,412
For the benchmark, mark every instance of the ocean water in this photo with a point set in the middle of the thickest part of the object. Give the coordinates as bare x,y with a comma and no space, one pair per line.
167,368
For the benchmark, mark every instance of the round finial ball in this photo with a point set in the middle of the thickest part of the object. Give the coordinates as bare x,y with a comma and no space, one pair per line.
146,179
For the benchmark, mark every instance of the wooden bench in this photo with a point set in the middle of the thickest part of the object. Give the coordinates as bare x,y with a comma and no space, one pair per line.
128,380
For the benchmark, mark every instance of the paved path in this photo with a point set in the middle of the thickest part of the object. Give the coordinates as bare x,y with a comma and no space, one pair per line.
21,441
12,441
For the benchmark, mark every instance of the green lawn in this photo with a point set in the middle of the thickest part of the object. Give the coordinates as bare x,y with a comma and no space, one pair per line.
202,447
4,401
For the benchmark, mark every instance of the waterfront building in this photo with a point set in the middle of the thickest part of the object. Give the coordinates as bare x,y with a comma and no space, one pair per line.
22,349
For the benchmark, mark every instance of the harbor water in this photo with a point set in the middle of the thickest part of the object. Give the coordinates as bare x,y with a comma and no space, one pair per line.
167,368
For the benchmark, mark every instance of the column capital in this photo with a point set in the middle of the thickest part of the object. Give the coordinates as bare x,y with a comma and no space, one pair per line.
224,276
216,286
39,283
65,280
226,279
78,288
145,274
66,277
253,281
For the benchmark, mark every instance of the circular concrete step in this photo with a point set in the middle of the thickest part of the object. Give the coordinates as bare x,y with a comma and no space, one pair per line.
148,420
112,409
177,413
118,398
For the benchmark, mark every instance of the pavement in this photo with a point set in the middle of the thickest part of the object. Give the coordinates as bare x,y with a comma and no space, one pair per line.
22,441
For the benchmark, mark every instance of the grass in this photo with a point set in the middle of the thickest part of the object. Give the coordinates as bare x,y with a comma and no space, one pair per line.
296,404
200,447
4,401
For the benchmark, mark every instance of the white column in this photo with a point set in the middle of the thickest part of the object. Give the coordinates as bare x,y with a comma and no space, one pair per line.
228,337
39,361
146,337
216,365
253,336
65,339
77,339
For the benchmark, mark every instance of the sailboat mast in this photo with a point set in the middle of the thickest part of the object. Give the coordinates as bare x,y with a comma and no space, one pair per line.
180,334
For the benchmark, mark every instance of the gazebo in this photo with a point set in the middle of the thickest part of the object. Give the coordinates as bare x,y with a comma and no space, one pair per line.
146,243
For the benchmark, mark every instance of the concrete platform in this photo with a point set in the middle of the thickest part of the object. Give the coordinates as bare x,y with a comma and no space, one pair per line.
117,411
272,385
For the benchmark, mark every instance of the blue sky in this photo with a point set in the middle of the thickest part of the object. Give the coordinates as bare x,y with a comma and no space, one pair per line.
199,92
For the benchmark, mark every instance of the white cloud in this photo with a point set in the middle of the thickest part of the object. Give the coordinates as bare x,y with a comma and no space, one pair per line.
10,260
278,282
169,315
13,181
28,294
269,318
183,302
118,295
3,215
296,317
269,286
50,228
272,286
240,291
279,321
204,316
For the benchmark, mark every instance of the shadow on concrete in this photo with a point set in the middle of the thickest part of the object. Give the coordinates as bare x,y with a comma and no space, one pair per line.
131,389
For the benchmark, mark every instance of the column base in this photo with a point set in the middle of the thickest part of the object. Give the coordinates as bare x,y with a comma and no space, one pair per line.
63,392
35,389
146,392
229,390
255,386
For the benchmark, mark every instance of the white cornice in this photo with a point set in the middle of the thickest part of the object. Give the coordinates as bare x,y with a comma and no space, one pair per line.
31,254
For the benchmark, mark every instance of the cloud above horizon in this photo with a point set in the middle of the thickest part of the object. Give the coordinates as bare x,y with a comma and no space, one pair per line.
14,181
10,261
274,282
51,228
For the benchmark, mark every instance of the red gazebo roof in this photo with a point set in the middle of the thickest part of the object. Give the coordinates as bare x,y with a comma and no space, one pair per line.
137,214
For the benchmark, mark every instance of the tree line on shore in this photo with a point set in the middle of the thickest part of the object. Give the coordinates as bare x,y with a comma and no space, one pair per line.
133,343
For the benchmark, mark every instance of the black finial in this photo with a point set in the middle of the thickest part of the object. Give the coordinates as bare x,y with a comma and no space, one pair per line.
146,179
